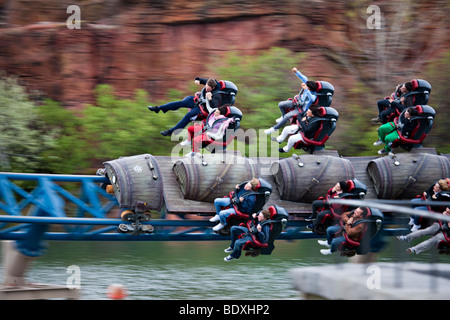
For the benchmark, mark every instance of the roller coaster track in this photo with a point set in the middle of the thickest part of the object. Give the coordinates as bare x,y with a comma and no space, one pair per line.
38,207
35,209
46,206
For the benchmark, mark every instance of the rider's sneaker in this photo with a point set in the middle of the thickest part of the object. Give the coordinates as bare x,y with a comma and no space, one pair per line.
325,252
215,218
228,258
218,227
324,243
378,142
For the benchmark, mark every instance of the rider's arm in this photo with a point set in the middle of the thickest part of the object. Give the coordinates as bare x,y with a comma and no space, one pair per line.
201,80
263,235
311,98
300,75
215,101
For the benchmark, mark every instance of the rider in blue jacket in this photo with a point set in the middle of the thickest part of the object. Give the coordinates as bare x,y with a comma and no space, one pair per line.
261,231
246,203
299,105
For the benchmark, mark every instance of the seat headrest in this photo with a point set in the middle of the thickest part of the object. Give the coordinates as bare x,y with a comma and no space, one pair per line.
272,210
322,111
318,86
228,87
375,214
234,112
330,112
264,184
425,110
421,85
325,87
356,186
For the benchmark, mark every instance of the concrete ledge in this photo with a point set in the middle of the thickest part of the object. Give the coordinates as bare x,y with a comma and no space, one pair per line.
38,291
374,281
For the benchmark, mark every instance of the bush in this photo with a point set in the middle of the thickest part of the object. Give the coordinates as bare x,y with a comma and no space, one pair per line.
24,136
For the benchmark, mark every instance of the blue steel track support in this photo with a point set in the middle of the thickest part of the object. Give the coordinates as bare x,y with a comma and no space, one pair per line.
49,199
27,215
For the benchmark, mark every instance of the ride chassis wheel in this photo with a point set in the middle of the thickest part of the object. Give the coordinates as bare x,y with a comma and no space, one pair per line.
136,218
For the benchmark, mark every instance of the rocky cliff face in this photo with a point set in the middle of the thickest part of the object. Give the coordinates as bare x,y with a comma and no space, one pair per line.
156,45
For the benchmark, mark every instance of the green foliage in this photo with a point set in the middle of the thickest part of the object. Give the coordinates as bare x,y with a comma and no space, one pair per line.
438,74
122,127
23,134
50,138
263,82
68,152
355,133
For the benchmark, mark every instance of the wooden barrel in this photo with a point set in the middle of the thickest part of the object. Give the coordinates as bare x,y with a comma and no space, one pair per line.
413,174
136,178
213,175
308,177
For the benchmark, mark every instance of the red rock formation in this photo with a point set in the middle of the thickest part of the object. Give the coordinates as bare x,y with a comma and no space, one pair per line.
156,45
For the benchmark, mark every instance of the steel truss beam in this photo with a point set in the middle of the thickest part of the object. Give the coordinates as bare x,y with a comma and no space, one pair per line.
30,213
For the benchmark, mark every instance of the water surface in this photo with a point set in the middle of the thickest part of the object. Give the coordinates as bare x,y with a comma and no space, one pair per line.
189,270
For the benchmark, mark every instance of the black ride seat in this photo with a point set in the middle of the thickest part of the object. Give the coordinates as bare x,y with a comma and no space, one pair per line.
227,90
372,224
356,190
425,121
230,132
262,193
328,119
420,92
278,220
324,93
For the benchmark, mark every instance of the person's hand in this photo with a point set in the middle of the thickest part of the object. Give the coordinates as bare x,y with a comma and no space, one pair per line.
241,199
197,81
254,215
350,221
258,227
209,95
294,69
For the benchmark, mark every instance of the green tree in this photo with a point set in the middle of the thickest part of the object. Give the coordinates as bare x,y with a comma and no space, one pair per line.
438,74
118,127
67,154
23,134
